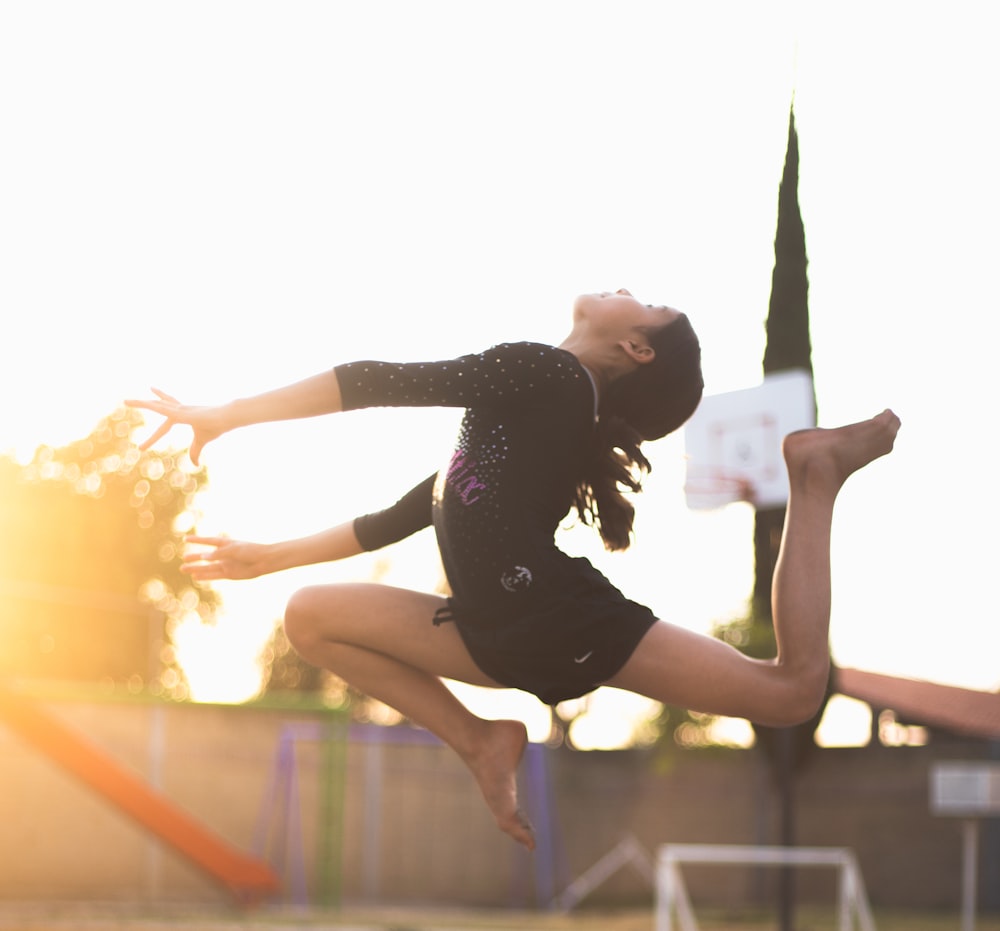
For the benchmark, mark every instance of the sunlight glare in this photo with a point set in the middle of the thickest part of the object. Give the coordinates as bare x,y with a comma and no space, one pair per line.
497,704
216,661
846,722
733,732
614,719
267,249
893,734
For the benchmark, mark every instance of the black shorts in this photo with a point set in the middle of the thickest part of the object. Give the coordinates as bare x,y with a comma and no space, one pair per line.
563,649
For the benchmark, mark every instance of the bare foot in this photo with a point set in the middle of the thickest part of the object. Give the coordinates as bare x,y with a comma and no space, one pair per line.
495,768
825,458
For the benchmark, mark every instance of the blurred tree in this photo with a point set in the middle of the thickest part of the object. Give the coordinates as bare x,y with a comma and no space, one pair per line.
788,347
284,672
90,581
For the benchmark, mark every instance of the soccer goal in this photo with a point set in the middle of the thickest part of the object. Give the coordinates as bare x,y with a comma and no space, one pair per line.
672,896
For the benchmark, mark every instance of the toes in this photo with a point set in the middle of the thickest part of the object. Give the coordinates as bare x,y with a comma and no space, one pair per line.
522,830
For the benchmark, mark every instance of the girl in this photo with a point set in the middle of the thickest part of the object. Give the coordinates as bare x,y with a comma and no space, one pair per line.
545,429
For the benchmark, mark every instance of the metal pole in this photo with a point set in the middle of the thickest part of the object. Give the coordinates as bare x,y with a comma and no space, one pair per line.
786,782
372,821
157,752
970,869
332,785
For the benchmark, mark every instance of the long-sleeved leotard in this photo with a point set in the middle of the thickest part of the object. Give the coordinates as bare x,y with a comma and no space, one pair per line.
409,514
531,616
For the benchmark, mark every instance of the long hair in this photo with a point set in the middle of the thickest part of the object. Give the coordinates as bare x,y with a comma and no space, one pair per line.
648,403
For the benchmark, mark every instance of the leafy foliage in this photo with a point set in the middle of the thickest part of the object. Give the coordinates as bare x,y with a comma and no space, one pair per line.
788,342
283,671
90,581
681,728
788,346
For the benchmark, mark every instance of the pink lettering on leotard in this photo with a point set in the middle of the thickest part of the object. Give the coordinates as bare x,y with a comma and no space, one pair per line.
463,479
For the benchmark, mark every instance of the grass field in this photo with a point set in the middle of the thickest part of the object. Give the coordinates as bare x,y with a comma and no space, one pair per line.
37,917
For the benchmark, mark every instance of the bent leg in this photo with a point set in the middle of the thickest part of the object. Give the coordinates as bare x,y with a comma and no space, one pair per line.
382,641
678,667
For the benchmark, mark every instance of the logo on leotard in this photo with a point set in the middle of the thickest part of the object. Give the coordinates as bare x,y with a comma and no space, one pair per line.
462,477
516,579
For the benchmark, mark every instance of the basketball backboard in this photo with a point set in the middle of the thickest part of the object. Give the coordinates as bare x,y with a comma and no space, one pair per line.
733,442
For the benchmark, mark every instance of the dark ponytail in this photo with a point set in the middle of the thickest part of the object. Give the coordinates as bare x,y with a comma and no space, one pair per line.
648,403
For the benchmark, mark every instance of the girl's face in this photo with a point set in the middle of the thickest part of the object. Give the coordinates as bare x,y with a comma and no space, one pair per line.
619,310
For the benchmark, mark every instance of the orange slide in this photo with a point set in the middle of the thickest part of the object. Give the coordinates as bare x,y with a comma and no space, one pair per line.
248,878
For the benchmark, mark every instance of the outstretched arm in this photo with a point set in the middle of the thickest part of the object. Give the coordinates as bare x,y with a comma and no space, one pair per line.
311,397
483,377
236,559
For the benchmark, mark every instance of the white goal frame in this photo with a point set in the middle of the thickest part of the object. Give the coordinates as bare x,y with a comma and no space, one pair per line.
672,896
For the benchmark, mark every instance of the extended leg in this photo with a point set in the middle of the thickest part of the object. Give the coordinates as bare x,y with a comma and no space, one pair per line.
678,667
381,640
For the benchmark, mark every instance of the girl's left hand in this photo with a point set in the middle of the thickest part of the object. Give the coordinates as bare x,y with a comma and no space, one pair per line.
208,423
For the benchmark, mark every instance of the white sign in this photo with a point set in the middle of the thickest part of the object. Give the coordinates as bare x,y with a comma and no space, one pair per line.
965,790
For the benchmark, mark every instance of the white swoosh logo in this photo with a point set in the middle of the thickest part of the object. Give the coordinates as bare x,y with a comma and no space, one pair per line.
584,658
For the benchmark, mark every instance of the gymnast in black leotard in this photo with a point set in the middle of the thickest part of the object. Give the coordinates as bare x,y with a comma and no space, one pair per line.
531,616
546,430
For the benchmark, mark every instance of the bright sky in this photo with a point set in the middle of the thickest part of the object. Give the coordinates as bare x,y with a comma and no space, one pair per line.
216,198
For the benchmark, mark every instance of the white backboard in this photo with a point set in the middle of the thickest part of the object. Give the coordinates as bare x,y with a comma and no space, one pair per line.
733,441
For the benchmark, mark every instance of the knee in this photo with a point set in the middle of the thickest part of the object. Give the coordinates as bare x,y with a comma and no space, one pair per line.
303,621
805,697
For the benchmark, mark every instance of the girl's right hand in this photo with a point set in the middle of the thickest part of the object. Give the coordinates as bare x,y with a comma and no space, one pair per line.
228,559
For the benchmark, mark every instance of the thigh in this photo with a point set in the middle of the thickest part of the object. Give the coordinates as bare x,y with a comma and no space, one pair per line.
393,621
690,670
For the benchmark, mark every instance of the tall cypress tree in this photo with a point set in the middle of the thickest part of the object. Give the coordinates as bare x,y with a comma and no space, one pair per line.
788,346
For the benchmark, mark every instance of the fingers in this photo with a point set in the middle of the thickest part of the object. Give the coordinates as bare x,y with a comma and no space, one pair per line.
166,404
230,559
174,412
205,556
205,572
193,560
161,431
140,403
165,407
207,541
202,569
205,565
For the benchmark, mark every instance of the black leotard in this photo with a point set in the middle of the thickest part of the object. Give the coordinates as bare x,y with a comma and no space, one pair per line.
531,616
409,514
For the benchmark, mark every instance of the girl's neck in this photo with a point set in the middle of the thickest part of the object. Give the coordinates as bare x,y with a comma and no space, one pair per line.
603,363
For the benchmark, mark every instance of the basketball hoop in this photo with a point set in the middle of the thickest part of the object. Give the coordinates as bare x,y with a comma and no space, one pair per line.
708,490
733,442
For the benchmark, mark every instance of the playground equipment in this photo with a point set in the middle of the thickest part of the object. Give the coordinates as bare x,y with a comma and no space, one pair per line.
671,892
279,825
629,852
247,878
279,828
